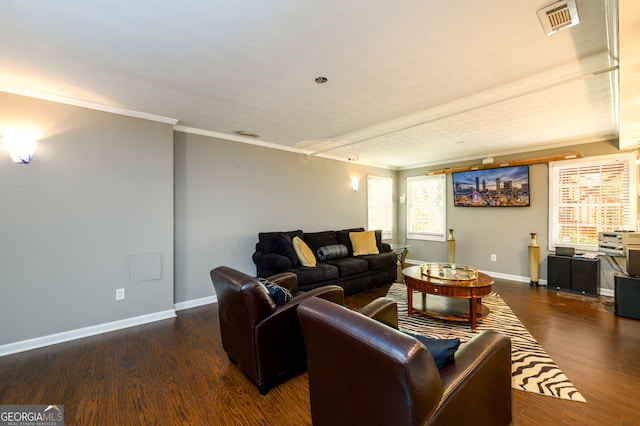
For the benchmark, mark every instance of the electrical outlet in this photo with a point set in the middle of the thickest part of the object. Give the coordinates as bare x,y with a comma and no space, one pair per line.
120,294
494,258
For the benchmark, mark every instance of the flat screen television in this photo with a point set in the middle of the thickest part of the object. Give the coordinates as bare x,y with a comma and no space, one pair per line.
497,187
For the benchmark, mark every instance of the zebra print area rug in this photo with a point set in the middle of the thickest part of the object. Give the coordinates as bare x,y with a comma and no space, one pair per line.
533,370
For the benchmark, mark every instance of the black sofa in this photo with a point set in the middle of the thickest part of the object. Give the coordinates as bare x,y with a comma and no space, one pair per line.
275,254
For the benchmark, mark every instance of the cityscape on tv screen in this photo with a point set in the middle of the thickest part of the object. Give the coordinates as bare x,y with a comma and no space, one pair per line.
499,187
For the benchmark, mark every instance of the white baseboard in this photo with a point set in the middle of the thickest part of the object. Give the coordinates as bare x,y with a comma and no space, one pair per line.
513,277
181,306
492,274
52,339
602,291
607,292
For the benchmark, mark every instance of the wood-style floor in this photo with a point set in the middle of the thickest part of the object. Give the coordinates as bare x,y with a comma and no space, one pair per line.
174,372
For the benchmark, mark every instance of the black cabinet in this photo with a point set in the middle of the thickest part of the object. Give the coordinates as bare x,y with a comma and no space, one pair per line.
627,296
574,274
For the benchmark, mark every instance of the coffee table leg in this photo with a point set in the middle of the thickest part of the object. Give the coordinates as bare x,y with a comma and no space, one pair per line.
409,301
473,309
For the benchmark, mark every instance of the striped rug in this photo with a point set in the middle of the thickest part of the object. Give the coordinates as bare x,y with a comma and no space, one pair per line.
533,370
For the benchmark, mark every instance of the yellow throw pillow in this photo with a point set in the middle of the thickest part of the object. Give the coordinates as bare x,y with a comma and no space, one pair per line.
305,255
363,243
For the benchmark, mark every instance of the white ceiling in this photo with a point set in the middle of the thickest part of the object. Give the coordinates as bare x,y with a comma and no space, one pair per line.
410,83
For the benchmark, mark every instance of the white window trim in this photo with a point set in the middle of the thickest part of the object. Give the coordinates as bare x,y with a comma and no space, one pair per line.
387,234
428,236
632,181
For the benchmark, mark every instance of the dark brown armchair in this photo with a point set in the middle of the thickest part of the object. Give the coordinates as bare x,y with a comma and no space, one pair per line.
263,339
363,371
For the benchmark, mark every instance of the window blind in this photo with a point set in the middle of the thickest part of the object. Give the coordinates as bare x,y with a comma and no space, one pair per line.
591,195
426,204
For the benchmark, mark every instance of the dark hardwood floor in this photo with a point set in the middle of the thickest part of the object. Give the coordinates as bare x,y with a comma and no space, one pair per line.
174,372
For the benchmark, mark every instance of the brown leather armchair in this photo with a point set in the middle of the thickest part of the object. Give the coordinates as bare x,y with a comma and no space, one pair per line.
263,339
363,371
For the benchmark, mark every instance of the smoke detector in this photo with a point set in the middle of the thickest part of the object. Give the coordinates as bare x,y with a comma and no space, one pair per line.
558,15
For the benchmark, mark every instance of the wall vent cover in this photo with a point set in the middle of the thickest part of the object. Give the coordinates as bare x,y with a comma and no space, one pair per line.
559,15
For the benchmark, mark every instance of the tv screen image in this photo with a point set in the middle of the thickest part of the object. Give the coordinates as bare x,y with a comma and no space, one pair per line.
498,187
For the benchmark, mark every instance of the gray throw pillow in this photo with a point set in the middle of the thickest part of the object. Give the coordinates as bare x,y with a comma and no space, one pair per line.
334,251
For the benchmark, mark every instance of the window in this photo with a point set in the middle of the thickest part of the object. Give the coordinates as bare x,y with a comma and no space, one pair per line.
426,207
591,195
380,205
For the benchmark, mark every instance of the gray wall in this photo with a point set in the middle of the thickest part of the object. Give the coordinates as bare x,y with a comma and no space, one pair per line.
98,190
480,232
227,192
101,189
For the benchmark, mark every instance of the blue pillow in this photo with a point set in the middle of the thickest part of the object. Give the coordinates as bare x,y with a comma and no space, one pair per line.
442,350
278,293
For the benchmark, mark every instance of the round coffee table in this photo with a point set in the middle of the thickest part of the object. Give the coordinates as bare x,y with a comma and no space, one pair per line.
447,295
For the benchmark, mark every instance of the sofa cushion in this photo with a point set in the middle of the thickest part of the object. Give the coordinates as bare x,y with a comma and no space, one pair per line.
442,350
363,243
380,261
285,247
273,262
315,240
305,255
343,237
378,234
334,251
268,242
348,266
323,272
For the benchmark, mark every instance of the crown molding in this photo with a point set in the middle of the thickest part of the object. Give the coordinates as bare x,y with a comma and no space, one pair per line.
89,105
237,138
257,142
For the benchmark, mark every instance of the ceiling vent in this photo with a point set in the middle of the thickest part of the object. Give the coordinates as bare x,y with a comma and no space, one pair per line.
559,15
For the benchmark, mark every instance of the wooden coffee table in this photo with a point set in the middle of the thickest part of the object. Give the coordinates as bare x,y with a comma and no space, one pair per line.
447,300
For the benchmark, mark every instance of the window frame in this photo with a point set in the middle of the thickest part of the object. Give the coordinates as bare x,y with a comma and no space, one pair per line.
433,235
387,234
578,209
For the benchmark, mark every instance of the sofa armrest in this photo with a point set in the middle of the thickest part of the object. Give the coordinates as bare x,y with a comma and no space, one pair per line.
484,359
288,280
281,332
385,248
382,309
272,262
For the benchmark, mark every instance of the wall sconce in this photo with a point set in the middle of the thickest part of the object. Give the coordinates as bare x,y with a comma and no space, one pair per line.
21,144
355,183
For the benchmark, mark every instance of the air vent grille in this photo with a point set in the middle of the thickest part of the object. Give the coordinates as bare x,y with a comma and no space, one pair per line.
558,15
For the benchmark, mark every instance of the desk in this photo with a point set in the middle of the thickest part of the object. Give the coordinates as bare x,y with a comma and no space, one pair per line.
446,294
